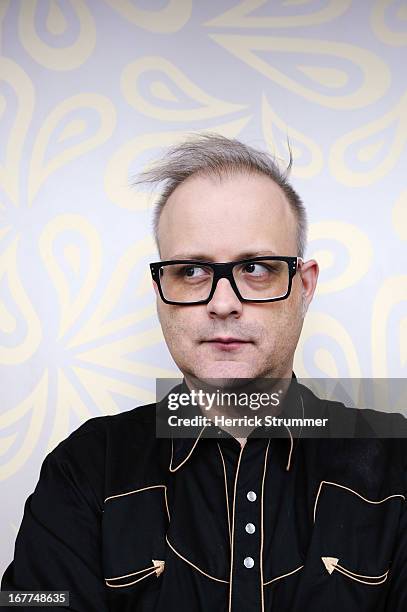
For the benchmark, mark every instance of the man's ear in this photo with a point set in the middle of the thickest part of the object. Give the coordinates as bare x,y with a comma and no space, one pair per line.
309,275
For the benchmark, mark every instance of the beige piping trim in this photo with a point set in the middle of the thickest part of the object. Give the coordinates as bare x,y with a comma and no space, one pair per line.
233,530
120,586
132,574
157,568
166,505
135,491
336,484
262,527
283,575
382,578
291,437
291,449
193,565
226,492
361,575
189,454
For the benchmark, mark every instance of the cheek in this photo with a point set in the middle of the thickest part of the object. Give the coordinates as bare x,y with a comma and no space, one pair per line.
177,323
281,322
276,315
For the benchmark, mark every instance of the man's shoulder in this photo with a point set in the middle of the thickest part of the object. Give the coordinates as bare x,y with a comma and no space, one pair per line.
110,430
353,421
92,454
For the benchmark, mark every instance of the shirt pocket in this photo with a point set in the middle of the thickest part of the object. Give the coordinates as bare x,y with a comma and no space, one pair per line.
134,548
354,536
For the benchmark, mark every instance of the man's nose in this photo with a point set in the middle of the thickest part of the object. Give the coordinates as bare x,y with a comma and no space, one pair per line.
224,301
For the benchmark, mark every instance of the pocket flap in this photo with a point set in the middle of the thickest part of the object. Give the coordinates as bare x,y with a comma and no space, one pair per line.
353,534
134,527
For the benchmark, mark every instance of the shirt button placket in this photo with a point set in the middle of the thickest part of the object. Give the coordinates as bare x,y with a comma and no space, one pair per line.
246,576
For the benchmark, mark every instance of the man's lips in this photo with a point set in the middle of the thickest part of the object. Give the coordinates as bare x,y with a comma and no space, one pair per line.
227,343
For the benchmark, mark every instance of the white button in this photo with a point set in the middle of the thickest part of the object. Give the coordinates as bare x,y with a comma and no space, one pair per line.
251,496
250,528
248,562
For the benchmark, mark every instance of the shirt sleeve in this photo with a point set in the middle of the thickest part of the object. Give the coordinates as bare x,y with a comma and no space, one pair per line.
58,546
397,598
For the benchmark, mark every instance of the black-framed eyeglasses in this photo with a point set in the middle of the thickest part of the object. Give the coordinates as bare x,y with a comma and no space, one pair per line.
186,282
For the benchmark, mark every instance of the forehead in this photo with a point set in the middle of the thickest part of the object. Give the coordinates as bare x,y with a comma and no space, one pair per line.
221,217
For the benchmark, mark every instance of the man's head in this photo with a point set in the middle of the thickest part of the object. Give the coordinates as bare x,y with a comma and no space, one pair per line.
224,201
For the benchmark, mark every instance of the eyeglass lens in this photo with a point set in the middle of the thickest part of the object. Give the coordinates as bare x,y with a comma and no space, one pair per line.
257,280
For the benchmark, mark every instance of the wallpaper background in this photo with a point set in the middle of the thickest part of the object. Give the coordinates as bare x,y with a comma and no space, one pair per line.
90,91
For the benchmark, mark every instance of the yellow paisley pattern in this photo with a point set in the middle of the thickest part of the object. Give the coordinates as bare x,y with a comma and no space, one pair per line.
90,93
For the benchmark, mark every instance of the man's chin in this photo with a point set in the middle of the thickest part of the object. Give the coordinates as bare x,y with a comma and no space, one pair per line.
226,373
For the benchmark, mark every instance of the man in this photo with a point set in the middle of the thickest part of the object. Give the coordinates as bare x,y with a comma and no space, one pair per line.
253,521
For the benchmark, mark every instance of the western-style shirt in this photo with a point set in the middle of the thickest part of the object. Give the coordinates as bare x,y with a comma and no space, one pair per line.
124,520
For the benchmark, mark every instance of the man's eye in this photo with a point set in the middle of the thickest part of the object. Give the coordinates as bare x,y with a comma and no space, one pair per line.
257,269
194,271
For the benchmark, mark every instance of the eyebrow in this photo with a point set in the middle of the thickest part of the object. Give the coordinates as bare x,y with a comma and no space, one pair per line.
243,255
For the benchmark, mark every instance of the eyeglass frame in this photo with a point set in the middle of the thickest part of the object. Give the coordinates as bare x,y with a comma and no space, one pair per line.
225,270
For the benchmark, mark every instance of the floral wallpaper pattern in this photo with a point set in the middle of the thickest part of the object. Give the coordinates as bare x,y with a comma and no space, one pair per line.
90,92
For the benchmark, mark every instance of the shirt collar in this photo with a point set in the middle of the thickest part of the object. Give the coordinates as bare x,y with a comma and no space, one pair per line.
293,406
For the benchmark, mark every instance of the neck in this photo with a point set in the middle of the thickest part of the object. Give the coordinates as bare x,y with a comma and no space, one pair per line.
220,401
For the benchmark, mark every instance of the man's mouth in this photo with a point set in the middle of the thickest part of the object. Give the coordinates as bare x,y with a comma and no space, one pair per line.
227,343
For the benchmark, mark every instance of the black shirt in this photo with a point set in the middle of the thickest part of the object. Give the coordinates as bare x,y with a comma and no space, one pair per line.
126,521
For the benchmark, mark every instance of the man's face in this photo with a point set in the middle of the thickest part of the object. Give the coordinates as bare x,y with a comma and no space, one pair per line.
222,220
